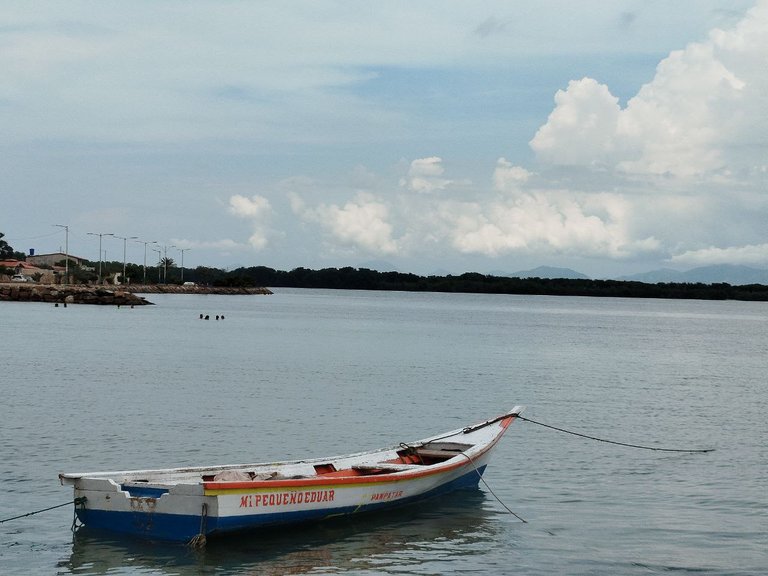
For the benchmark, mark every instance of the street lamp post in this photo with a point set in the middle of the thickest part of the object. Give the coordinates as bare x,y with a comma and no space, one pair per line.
99,234
145,256
182,250
158,264
165,263
66,251
125,241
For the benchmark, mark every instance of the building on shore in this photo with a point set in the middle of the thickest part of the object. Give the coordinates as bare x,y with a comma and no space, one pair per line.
21,268
53,259
44,268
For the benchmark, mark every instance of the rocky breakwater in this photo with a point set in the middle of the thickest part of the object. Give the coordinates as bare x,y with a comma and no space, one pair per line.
193,289
69,295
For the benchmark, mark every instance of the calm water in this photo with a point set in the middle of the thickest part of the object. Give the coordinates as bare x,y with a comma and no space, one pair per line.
312,373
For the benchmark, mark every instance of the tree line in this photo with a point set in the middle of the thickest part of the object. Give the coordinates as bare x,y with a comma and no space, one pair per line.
365,279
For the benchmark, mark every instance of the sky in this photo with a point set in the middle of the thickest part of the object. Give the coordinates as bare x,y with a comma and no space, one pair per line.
430,137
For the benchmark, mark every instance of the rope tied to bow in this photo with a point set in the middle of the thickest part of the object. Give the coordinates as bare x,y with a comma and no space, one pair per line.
640,446
77,502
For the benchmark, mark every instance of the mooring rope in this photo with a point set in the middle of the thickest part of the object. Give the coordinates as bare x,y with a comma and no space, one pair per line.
199,540
79,503
469,429
491,489
699,450
412,451
76,502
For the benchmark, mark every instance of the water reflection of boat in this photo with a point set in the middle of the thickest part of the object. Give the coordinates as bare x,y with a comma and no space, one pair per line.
400,537
183,504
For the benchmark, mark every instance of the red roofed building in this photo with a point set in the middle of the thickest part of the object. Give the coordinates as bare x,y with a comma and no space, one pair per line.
43,275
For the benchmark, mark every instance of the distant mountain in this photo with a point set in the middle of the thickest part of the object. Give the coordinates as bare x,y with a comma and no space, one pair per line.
656,276
549,272
735,275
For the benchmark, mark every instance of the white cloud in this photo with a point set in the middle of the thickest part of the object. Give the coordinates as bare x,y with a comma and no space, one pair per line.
511,220
361,223
424,175
754,255
258,240
257,210
678,123
225,244
507,177
254,207
704,102
582,128
545,221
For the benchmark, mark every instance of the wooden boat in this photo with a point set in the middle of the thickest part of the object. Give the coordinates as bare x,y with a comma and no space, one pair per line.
190,504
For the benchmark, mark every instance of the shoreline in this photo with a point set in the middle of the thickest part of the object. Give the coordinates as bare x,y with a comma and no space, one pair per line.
196,289
106,295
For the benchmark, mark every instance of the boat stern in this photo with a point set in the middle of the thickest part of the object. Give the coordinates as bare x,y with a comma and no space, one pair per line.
155,512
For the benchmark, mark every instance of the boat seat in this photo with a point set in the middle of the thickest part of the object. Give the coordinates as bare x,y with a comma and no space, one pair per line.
437,454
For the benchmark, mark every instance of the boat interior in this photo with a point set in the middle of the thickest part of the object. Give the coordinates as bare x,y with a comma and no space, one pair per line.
405,458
